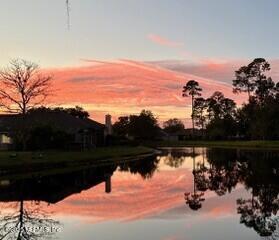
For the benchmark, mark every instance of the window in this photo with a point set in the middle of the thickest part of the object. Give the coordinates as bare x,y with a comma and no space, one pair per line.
5,139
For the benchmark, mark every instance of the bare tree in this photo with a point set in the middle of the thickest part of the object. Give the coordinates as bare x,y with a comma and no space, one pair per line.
22,86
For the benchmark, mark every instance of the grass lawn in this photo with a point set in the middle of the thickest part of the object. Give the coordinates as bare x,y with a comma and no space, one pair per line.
16,159
223,144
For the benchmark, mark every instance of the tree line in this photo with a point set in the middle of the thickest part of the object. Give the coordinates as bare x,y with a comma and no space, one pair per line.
218,117
23,88
225,170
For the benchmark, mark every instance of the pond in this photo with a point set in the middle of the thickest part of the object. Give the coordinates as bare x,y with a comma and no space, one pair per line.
182,193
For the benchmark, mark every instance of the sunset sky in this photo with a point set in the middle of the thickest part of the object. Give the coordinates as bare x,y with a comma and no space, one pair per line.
122,56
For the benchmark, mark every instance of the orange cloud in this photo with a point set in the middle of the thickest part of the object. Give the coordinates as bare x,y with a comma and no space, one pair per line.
127,87
163,41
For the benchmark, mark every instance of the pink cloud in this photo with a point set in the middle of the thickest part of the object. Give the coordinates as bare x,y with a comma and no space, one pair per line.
163,41
219,69
127,87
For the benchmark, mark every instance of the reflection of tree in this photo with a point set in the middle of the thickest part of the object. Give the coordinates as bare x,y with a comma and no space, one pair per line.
224,170
194,199
175,159
201,175
257,171
254,215
221,180
145,167
28,224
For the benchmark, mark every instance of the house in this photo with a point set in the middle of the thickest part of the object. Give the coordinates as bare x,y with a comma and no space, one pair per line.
85,133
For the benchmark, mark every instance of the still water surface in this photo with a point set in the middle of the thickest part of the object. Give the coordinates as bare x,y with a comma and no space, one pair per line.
185,193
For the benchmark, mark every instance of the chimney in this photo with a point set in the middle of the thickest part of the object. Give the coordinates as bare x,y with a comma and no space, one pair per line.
108,125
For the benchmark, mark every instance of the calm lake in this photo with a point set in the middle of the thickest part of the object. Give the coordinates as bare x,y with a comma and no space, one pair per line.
181,194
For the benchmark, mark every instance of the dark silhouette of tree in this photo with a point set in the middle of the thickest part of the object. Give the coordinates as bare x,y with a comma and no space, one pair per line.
192,89
22,86
259,120
201,175
194,199
176,158
254,214
173,125
145,126
121,127
253,80
221,114
243,81
257,171
139,127
146,167
264,89
27,224
77,111
276,91
258,69
219,106
142,127
174,161
199,114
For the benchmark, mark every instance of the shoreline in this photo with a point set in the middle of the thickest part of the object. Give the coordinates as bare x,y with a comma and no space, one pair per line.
26,163
268,145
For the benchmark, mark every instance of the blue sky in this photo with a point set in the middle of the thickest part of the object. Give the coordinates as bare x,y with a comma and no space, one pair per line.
117,29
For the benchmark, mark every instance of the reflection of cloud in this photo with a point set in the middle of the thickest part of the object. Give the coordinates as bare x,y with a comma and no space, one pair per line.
133,198
127,202
214,207
163,41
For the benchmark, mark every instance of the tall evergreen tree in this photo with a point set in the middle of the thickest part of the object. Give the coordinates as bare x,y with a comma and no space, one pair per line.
192,89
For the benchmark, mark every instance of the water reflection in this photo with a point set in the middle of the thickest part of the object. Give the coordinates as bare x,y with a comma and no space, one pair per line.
107,192
257,171
30,221
27,223
146,167
195,199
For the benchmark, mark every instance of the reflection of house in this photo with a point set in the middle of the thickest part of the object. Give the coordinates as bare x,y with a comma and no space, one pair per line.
84,133
55,187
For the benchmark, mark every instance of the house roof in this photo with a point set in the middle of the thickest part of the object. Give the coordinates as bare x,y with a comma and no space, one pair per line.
59,120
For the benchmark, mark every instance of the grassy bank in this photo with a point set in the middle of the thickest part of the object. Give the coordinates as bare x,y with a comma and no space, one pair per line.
223,144
16,159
